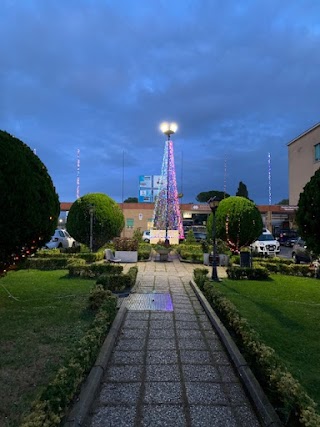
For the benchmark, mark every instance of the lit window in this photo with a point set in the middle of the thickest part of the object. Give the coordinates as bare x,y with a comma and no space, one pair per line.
317,152
129,222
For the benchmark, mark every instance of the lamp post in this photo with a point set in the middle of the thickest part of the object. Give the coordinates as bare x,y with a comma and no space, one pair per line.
213,202
91,212
168,129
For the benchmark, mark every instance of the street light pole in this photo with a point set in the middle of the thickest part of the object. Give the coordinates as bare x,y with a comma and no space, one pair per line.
213,202
168,129
91,211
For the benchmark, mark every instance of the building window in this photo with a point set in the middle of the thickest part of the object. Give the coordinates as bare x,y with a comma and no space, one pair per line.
317,152
129,222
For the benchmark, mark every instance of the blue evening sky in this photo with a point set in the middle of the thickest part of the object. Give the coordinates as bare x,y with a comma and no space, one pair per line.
241,79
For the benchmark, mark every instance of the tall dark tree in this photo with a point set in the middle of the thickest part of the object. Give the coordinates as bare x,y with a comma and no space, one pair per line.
308,213
242,190
105,214
238,222
204,196
29,204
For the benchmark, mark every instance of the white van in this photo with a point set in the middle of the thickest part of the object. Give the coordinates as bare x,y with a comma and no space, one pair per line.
266,244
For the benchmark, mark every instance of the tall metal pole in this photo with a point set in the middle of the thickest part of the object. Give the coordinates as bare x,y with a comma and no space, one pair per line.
214,260
167,241
91,228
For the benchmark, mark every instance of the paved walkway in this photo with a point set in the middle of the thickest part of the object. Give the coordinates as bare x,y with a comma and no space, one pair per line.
168,366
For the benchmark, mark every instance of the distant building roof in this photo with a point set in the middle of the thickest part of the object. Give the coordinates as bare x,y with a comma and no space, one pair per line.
304,133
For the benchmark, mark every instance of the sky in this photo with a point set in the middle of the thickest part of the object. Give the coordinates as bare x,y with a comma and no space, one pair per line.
240,78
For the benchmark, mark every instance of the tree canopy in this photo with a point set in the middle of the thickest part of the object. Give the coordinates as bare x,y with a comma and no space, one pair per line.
284,202
238,222
107,219
131,200
242,190
307,215
29,204
206,195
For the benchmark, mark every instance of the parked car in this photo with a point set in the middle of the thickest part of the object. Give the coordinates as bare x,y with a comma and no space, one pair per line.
146,236
61,239
300,252
287,237
200,236
266,244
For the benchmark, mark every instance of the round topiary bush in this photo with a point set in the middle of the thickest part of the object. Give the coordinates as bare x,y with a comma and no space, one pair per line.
29,204
98,212
238,222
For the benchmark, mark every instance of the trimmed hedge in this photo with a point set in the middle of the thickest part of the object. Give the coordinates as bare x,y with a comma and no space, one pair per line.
293,405
52,263
256,273
55,253
93,271
118,282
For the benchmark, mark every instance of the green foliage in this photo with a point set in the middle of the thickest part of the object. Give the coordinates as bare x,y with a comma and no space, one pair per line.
107,219
204,196
137,234
200,277
93,271
283,202
144,251
190,239
118,282
125,244
98,295
307,215
29,204
131,200
242,190
191,253
54,263
238,222
256,273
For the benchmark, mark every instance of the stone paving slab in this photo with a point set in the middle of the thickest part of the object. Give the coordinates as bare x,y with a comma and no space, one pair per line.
169,367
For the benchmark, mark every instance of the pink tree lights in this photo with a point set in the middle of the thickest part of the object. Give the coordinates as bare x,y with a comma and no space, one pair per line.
167,214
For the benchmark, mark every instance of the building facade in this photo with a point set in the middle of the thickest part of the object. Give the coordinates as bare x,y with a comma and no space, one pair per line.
304,160
140,215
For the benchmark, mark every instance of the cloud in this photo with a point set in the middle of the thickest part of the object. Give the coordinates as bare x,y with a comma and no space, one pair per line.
240,79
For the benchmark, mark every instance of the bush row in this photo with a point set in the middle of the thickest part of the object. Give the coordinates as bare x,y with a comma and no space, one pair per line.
118,282
51,406
255,273
291,402
289,269
92,271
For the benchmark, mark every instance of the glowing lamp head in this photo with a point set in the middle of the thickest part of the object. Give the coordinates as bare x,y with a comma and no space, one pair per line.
168,128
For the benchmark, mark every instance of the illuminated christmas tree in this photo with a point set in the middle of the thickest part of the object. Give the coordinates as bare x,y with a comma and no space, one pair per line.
167,210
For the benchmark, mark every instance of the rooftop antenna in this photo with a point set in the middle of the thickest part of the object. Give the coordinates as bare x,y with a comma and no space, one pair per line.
78,173
269,177
225,177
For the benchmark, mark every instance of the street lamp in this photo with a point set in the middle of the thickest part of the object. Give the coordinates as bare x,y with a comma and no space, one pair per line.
168,129
213,202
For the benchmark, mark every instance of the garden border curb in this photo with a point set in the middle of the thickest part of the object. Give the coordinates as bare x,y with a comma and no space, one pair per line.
80,410
260,401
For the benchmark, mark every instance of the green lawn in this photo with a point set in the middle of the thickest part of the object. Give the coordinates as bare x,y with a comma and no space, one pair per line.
285,311
42,313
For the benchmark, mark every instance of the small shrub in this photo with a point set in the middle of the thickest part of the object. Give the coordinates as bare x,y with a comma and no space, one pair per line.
55,263
190,239
125,244
98,295
200,276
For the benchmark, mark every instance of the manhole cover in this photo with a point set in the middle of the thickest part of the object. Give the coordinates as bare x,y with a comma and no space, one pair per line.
154,302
